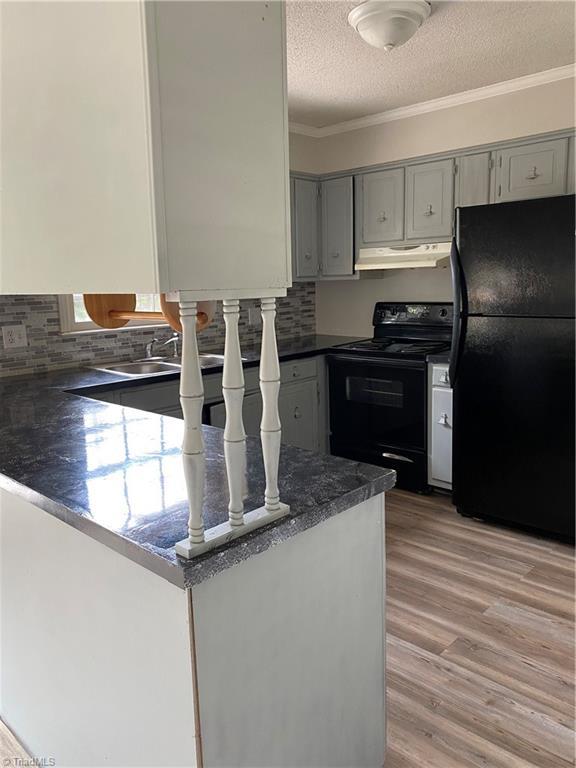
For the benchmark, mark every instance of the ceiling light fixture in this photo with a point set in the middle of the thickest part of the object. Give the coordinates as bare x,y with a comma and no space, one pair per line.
387,24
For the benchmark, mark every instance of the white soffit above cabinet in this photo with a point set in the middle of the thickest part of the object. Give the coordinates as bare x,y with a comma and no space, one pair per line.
465,51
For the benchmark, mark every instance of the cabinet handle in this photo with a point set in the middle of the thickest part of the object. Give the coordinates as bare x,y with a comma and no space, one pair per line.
297,413
533,174
335,254
444,420
429,211
382,216
445,378
295,373
307,256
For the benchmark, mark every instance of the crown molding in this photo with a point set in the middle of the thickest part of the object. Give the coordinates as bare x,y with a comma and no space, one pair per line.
445,102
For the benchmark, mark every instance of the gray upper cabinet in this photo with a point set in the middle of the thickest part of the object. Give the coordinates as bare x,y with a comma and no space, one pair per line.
531,170
570,187
306,256
430,200
380,207
337,227
472,185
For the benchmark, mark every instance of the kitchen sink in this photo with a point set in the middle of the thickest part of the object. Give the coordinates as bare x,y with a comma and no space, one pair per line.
156,365
141,368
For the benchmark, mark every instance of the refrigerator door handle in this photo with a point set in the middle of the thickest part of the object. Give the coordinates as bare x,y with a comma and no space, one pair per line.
458,289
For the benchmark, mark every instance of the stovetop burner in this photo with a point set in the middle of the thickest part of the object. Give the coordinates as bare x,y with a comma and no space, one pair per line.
410,331
398,347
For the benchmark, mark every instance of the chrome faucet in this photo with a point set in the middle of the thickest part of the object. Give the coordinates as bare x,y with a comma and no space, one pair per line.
149,348
173,340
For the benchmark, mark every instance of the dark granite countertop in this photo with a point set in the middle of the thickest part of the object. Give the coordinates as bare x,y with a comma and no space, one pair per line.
115,473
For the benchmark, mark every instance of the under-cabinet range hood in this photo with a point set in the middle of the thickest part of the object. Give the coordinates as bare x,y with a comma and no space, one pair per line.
404,257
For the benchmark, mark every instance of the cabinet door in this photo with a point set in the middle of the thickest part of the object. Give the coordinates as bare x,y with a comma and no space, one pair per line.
251,414
441,449
380,206
430,200
472,185
337,232
570,187
531,170
306,228
298,404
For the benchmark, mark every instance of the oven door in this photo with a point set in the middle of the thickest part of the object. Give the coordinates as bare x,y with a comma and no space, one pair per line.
378,402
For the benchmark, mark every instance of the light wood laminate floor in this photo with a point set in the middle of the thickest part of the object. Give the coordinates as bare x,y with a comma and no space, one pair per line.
480,649
480,643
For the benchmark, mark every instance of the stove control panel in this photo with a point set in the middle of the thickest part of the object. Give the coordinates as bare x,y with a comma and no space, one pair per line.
417,313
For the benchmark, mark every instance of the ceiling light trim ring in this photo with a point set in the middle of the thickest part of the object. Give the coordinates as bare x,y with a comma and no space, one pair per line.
388,24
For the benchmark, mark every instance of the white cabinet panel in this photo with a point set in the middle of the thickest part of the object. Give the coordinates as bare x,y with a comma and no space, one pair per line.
130,177
337,227
570,187
441,436
532,170
380,208
430,200
472,180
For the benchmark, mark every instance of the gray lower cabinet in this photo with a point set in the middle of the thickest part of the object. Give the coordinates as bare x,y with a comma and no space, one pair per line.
306,254
298,406
379,207
337,227
430,200
251,414
531,170
472,180
298,401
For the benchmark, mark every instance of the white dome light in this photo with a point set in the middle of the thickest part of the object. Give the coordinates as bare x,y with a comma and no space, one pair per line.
387,24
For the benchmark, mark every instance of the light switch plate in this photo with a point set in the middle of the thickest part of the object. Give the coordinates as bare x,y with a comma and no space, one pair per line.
254,317
14,336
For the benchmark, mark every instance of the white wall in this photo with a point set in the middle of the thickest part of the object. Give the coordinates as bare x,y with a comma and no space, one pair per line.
543,108
305,153
345,307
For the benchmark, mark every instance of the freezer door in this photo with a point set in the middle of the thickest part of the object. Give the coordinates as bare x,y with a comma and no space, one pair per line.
514,422
517,258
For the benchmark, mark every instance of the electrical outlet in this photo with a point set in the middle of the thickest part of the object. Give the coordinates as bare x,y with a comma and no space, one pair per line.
14,336
254,317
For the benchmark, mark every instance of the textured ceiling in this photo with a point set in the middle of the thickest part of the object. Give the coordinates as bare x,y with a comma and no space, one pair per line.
333,75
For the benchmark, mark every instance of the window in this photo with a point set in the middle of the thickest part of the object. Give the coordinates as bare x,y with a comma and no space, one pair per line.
74,318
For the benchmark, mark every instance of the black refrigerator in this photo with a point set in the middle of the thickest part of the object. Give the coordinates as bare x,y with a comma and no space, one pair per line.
512,363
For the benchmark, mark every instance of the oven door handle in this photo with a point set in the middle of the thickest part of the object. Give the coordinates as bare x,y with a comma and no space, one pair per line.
397,457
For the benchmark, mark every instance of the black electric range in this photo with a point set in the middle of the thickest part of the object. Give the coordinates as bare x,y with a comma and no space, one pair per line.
378,389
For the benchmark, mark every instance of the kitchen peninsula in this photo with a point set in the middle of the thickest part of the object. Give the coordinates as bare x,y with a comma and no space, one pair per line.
229,658
266,650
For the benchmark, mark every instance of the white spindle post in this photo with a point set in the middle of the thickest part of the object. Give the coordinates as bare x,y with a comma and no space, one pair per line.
192,400
234,434
270,427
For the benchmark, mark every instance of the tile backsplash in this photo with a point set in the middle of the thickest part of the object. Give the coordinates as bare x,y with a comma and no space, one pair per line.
48,348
